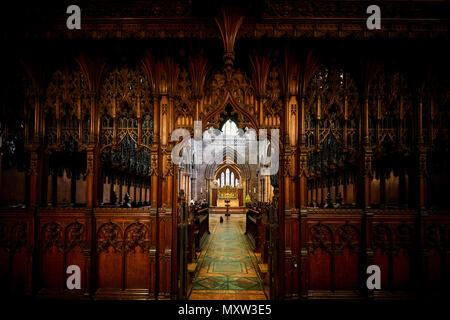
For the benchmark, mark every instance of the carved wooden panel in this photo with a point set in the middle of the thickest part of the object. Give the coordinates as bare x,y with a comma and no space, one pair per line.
165,254
334,245
16,247
64,240
392,235
125,253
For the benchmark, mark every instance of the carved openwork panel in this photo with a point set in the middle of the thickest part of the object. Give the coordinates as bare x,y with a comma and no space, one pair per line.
273,86
230,84
125,85
331,120
147,128
390,111
12,151
107,129
128,155
67,109
126,122
125,104
184,101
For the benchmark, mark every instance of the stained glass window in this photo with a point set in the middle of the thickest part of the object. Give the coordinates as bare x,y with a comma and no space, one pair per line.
227,177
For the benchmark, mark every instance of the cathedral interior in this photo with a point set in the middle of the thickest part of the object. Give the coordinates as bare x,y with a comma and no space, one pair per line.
355,122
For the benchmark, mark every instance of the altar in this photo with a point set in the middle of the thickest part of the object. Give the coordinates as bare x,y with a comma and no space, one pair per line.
233,194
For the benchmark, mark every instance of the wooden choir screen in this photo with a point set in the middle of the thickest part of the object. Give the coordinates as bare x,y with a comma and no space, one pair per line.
64,239
16,249
125,253
337,245
118,250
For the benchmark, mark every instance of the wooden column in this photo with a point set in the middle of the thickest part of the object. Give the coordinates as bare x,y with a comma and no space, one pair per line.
33,179
154,172
422,159
302,187
302,156
287,181
90,178
365,170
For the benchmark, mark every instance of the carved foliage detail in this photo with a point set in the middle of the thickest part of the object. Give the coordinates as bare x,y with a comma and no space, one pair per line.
137,235
75,236
382,238
347,236
320,236
52,236
109,235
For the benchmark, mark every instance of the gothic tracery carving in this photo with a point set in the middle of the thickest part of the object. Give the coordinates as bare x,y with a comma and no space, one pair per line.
320,237
75,236
52,236
137,235
109,235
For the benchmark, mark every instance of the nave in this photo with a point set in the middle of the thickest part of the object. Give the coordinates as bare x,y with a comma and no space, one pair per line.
227,264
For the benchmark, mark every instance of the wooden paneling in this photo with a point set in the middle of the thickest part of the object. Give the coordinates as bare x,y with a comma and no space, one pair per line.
334,243
392,237
126,253
16,248
341,244
165,254
64,240
125,261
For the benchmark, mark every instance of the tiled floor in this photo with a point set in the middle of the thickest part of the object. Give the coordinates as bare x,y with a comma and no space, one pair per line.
227,266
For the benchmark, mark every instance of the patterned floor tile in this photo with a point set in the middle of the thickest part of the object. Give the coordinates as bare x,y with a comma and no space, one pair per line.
227,270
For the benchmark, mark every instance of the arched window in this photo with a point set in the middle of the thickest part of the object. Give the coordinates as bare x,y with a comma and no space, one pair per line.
230,128
227,176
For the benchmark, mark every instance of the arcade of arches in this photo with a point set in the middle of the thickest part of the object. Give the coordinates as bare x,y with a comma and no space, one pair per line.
87,176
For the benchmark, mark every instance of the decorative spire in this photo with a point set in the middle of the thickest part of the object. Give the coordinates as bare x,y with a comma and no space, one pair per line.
229,26
260,68
198,69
